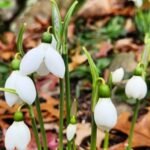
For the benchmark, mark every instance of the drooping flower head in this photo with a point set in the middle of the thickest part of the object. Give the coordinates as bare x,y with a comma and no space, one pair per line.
117,75
43,59
138,3
17,135
136,88
23,86
105,113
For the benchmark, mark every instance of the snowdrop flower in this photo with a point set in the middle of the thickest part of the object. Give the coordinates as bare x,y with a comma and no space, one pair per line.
71,131
105,114
136,88
117,75
43,59
23,86
138,3
17,136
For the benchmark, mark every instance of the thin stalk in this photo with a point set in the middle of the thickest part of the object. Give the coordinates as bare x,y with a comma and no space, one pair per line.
74,145
40,119
94,127
106,141
93,134
69,145
61,116
34,127
135,115
67,88
8,90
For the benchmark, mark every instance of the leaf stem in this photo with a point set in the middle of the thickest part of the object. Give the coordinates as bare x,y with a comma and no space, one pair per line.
40,119
34,127
8,90
67,88
106,140
61,116
135,115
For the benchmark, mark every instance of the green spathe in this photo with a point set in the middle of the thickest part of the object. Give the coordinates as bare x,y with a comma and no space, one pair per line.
18,116
104,91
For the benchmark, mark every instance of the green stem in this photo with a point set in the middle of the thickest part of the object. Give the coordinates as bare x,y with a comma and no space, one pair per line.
94,134
40,119
67,88
135,115
94,127
106,141
61,111
8,90
34,127
69,145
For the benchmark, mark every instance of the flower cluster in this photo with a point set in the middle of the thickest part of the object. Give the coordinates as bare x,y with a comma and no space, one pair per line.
42,59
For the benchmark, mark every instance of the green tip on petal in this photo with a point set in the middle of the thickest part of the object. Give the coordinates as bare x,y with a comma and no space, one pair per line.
18,116
46,37
104,91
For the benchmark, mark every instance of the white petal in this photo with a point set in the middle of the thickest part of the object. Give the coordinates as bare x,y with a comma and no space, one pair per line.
9,138
32,60
71,131
117,75
42,71
136,88
105,114
54,62
17,136
11,99
26,89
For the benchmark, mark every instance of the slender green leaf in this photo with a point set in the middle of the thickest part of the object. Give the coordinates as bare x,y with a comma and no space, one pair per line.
56,20
93,68
20,39
67,20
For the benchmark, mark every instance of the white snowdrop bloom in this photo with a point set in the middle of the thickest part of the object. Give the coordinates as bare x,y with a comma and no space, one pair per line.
117,75
71,131
23,86
136,88
138,3
17,136
43,59
105,114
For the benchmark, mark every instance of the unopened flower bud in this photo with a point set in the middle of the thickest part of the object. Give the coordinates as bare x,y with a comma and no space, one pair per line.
71,131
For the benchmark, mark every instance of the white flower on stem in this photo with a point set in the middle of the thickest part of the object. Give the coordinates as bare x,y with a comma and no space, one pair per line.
43,59
71,131
17,136
117,75
23,86
105,114
136,88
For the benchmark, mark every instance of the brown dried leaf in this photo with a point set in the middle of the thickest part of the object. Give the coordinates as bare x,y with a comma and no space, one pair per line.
141,133
77,59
